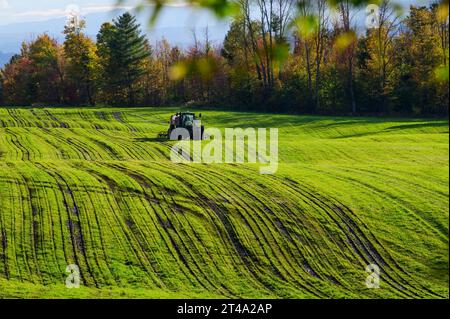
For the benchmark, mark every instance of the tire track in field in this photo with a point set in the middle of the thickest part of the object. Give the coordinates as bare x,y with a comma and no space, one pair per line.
30,227
16,142
38,118
143,182
364,246
113,154
277,223
149,185
17,120
55,119
99,251
13,232
137,236
132,150
266,211
361,245
358,241
74,223
283,231
4,246
78,146
244,254
117,220
247,256
38,227
60,153
243,193
430,224
409,280
101,115
118,117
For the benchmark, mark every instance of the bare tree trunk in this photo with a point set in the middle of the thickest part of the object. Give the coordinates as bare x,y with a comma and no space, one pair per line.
265,25
441,25
386,30
256,55
345,12
246,46
89,93
320,46
308,69
307,41
352,92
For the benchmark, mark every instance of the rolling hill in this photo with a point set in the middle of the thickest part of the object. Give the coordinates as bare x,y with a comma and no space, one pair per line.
95,187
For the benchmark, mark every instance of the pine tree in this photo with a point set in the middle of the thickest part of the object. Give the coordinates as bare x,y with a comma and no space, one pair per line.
107,72
129,51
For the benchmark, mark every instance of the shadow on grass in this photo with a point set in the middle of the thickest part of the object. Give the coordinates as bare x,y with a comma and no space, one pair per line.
417,126
150,139
400,128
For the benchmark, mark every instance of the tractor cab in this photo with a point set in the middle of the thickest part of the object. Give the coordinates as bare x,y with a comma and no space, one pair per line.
184,120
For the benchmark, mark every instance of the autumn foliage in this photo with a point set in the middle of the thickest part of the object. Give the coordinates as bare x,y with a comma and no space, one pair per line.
310,62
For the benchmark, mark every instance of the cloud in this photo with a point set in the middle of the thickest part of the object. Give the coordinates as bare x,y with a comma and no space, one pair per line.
58,13
104,8
177,3
4,4
41,14
82,10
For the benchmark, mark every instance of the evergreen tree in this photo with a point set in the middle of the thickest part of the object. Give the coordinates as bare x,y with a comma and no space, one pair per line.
107,72
128,53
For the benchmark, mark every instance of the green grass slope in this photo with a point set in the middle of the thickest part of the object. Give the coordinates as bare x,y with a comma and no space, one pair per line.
96,188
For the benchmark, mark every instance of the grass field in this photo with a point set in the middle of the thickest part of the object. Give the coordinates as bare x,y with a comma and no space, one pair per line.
96,188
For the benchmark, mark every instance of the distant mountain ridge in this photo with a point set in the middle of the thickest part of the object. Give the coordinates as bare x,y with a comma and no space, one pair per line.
4,58
174,24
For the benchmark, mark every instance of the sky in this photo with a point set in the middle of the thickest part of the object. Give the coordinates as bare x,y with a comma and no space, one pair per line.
16,11
22,20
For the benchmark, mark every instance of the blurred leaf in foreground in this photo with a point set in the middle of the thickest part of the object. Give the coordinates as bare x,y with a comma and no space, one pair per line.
204,67
280,53
346,39
306,25
442,73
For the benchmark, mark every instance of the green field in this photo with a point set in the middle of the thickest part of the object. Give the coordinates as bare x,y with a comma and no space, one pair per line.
96,188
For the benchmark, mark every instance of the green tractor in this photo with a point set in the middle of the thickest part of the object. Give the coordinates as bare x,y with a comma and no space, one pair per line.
183,120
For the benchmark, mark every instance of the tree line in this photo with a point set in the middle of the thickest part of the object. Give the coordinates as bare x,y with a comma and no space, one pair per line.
299,56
